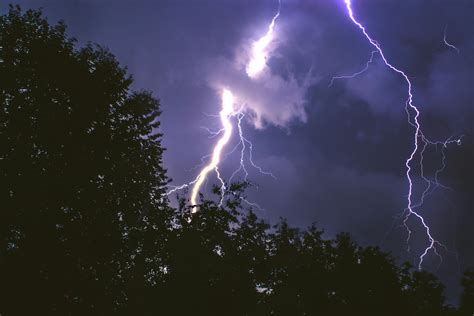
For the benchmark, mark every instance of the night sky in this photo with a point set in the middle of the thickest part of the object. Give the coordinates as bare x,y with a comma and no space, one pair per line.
338,151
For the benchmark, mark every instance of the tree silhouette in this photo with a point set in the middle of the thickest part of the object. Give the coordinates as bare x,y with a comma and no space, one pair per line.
80,173
467,297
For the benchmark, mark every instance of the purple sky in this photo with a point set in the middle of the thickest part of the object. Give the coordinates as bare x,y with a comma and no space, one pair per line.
338,152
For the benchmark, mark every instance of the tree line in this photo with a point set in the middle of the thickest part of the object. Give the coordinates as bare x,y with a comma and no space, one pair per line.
86,227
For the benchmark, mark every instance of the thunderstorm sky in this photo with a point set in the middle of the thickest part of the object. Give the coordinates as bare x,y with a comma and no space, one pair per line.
338,151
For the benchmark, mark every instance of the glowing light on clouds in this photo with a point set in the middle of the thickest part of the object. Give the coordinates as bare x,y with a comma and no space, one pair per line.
259,57
255,66
286,99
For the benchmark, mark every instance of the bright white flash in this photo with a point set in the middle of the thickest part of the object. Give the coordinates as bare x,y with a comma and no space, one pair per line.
226,111
260,51
257,63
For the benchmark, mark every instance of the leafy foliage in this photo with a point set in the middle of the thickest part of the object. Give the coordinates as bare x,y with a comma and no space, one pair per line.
467,298
81,176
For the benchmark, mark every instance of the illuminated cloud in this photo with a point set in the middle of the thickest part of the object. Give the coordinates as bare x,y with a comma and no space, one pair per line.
269,98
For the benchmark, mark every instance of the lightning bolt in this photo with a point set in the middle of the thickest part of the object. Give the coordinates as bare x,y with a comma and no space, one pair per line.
419,141
446,41
256,65
260,49
355,74
226,112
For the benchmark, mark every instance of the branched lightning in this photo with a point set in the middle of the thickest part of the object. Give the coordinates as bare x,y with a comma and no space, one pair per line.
446,41
253,204
212,133
226,112
259,50
242,142
242,152
256,65
356,73
419,141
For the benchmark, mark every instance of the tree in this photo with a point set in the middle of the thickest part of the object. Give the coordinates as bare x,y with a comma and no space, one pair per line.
467,297
425,294
83,218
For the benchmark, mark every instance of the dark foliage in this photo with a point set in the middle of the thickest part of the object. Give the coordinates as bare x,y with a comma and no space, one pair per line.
82,216
467,298
86,228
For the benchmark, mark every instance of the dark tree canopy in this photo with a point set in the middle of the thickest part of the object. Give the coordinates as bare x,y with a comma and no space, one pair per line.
80,173
467,298
86,227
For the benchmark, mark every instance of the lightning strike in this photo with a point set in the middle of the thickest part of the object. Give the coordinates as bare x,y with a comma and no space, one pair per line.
255,66
243,141
252,204
242,151
418,138
360,72
226,112
212,134
259,57
446,41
